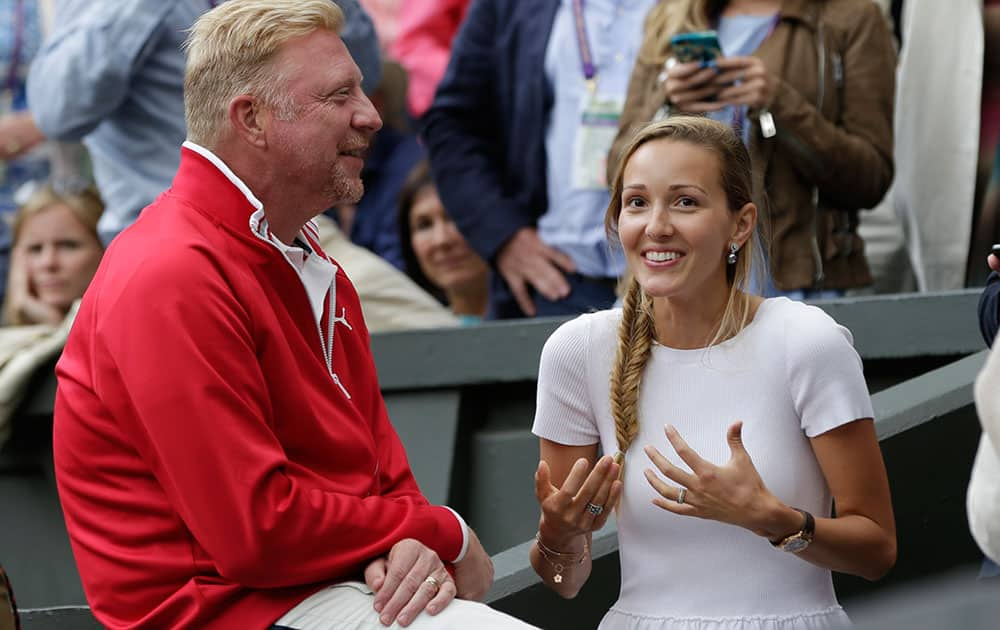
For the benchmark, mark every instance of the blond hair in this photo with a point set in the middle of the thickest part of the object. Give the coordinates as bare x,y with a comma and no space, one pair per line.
637,327
230,50
87,208
669,17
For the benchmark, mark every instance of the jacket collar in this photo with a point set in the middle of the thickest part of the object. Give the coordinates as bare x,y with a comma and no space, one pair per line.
204,182
805,11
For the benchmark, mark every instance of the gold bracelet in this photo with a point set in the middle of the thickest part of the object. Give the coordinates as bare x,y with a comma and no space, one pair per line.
562,558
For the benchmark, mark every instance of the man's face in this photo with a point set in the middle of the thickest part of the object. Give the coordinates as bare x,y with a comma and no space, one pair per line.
322,147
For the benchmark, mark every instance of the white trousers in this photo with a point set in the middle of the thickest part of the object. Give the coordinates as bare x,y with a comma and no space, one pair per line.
348,606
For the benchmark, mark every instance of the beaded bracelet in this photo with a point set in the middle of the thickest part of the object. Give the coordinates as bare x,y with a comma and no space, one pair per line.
562,557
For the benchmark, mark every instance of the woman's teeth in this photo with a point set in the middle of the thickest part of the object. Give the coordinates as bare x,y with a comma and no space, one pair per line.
662,256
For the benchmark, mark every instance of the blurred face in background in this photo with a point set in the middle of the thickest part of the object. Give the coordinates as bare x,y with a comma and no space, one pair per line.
60,254
441,250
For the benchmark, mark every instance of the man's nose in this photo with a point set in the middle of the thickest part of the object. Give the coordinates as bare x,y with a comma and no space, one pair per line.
366,118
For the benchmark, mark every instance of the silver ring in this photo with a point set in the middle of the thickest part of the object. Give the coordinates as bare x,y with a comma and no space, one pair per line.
681,495
595,509
433,582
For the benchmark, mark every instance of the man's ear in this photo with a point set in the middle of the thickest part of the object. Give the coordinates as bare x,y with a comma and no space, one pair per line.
746,221
250,120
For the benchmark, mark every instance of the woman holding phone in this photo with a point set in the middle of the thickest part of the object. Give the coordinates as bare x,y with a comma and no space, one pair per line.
809,86
735,421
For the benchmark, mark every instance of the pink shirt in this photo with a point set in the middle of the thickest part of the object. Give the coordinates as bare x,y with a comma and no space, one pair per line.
423,46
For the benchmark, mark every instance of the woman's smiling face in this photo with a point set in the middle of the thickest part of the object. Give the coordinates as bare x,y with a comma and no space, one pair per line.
675,224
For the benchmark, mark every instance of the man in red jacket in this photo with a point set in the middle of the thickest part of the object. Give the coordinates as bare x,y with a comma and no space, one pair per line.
222,450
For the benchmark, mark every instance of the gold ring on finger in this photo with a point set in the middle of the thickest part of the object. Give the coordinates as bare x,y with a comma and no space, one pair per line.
433,581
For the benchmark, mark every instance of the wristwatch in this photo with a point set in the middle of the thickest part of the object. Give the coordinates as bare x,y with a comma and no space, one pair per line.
798,541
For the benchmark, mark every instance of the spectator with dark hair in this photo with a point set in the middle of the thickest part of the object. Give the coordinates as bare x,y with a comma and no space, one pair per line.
435,253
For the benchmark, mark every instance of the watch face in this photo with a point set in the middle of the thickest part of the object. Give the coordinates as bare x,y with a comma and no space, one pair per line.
795,545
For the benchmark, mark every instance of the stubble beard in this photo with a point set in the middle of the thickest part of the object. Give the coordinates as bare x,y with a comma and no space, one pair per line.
342,187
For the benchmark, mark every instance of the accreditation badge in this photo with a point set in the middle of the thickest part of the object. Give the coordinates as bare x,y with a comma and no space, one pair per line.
597,131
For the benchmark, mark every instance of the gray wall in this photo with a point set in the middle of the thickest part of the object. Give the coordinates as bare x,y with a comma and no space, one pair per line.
463,402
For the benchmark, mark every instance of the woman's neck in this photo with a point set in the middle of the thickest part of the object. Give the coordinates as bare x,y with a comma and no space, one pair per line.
687,323
752,7
469,300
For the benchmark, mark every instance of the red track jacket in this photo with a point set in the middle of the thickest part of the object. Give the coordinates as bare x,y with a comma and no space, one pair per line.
211,472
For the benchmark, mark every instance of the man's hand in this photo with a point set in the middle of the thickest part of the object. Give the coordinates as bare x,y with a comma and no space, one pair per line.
18,135
525,260
474,574
403,583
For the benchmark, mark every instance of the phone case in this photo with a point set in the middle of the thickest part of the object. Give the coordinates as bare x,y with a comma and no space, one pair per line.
700,46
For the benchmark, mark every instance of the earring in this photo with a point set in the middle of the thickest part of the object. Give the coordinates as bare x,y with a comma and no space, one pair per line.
731,258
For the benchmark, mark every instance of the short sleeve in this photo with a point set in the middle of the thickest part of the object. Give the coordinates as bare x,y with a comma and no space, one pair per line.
563,411
826,378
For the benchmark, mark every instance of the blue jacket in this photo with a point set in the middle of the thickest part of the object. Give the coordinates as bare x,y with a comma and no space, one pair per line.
989,309
485,131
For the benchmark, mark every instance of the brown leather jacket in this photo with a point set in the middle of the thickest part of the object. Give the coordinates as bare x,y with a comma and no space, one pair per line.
832,153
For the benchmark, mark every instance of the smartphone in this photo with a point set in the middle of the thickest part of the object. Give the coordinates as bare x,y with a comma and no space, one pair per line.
700,46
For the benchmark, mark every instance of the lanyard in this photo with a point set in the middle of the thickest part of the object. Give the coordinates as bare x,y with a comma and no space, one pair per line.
15,53
586,57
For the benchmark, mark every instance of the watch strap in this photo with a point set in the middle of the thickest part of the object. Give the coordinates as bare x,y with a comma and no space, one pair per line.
805,533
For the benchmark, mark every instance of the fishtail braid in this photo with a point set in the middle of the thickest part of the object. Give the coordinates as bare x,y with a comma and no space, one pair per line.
635,339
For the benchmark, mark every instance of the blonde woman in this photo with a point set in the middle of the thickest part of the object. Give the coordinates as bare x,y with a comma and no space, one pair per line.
809,86
55,255
736,420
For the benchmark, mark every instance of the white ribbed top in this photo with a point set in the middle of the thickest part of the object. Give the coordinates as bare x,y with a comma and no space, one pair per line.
791,374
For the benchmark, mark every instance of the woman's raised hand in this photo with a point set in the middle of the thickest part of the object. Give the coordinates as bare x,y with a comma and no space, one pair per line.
733,493
582,504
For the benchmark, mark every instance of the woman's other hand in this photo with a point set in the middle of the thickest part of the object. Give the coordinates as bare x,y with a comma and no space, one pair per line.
581,505
745,81
732,493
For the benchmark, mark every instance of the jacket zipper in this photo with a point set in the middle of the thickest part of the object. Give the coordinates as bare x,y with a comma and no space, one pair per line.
820,97
325,344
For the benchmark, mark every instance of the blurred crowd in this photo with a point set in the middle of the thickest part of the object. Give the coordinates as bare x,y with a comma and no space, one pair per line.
861,152
486,188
